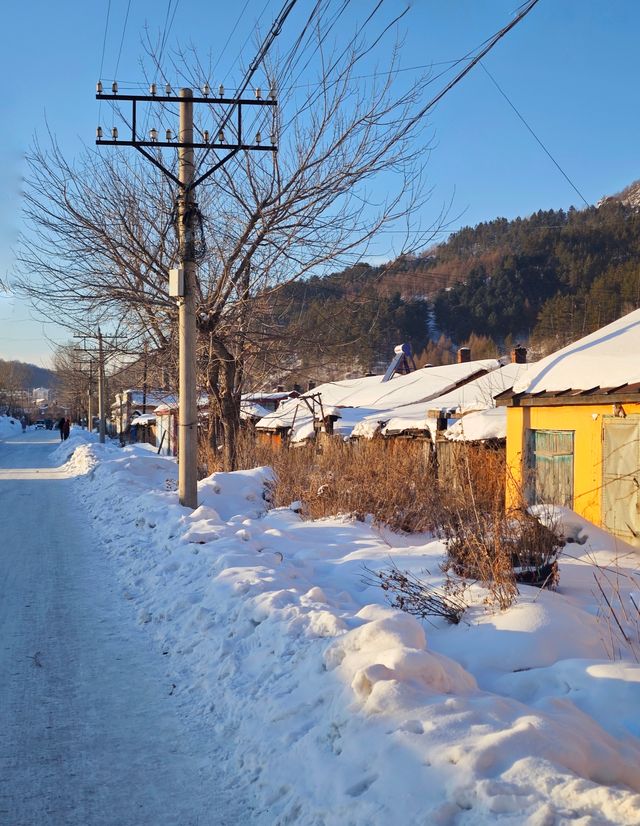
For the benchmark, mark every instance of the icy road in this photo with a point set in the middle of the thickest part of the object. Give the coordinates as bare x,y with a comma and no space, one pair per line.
89,729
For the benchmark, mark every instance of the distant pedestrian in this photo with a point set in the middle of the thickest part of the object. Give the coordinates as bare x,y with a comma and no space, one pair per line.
23,422
66,428
61,425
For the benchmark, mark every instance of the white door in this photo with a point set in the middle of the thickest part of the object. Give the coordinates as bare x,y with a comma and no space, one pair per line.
621,477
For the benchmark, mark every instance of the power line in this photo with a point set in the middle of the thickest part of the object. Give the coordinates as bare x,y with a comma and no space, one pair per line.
525,9
233,31
104,40
104,45
124,29
253,28
544,148
168,30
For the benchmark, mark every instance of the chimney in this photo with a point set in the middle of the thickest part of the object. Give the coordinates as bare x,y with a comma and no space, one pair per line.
519,355
311,386
464,355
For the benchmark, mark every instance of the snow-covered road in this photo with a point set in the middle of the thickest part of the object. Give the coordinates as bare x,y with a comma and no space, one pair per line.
89,729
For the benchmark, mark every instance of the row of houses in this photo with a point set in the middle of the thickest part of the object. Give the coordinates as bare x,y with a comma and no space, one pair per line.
570,423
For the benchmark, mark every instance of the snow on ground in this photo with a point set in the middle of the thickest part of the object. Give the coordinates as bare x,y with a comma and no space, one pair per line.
9,426
341,710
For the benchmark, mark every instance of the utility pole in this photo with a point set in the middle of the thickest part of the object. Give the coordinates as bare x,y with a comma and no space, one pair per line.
90,413
101,399
182,281
101,377
144,378
187,333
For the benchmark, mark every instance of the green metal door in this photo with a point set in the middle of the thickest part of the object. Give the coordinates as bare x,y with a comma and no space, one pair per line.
550,467
621,477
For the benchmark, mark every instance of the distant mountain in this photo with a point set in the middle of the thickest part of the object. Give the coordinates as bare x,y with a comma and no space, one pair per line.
25,376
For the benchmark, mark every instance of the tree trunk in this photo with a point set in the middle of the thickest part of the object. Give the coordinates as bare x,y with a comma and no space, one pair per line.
223,374
230,415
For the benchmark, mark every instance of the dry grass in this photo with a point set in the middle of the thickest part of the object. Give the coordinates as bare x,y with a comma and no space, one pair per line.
396,482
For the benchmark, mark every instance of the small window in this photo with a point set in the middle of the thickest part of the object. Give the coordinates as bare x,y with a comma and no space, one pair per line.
549,477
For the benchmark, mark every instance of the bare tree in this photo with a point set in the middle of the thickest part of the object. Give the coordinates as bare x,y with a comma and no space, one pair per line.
101,240
73,372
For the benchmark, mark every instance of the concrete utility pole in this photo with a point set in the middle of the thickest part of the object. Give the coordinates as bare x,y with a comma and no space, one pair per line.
183,288
101,401
188,412
90,405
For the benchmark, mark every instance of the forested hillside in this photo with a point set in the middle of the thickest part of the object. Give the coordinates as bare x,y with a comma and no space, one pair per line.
19,375
546,279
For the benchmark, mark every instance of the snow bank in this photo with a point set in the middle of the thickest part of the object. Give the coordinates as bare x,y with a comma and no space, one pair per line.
339,709
9,426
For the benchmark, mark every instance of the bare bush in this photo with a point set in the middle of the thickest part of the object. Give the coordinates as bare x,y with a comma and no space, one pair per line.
409,593
618,593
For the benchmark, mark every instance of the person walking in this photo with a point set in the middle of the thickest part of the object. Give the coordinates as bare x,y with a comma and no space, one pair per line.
61,424
23,422
66,428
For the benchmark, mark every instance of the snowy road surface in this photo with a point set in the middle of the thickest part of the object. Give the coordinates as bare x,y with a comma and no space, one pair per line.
89,730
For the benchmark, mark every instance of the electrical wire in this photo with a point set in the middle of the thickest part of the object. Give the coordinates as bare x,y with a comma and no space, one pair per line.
524,11
274,31
537,139
233,31
124,29
104,40
249,36
173,17
104,46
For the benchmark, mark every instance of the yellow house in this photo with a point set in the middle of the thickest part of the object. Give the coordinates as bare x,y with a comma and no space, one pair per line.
573,429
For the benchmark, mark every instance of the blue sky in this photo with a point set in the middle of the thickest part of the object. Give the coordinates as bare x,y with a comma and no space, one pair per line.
570,68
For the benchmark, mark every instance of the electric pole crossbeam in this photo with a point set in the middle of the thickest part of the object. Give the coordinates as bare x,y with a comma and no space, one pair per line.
186,182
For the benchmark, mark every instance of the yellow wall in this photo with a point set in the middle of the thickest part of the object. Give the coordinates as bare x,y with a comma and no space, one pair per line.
586,422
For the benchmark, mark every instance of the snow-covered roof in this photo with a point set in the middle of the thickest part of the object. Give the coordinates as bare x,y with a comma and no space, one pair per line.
252,410
607,358
371,398
479,426
143,419
274,396
475,395
172,403
153,397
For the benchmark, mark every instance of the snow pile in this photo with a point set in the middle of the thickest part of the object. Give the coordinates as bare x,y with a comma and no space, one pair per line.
340,709
605,358
9,426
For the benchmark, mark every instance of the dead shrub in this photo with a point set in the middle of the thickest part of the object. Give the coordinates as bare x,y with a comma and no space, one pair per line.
489,545
618,594
409,593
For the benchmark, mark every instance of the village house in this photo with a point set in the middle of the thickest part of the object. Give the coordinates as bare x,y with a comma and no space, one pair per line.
131,404
573,429
253,407
362,407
